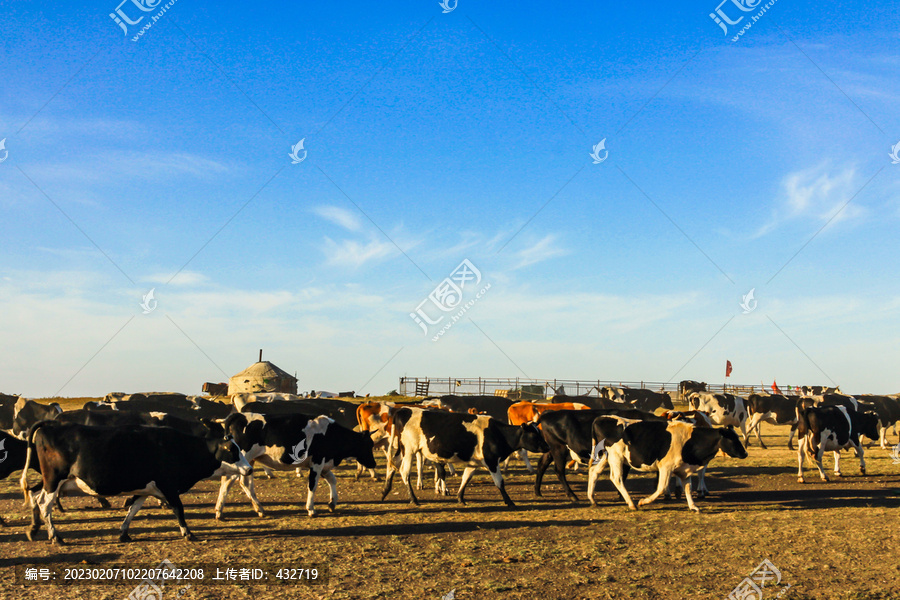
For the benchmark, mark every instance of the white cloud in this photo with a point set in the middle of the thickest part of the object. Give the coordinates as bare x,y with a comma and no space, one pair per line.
339,216
182,278
543,249
817,194
351,253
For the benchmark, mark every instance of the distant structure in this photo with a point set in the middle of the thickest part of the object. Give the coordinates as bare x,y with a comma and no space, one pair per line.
262,376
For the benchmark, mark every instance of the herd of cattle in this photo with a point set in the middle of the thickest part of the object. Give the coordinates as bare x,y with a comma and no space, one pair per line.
161,445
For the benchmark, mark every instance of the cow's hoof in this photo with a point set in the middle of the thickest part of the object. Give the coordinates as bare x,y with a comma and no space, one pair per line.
220,516
30,533
840,475
124,537
632,507
825,480
791,447
311,513
260,514
331,507
862,471
800,480
57,541
696,509
104,503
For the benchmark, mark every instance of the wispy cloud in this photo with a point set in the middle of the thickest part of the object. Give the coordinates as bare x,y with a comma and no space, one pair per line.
353,253
339,216
816,194
544,249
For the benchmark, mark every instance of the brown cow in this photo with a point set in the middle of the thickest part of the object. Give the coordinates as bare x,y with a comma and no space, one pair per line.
528,412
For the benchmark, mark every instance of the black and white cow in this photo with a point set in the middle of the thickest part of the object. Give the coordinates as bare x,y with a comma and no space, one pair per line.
295,441
833,428
29,412
888,410
135,461
723,409
493,406
568,437
775,409
639,398
448,437
340,411
672,448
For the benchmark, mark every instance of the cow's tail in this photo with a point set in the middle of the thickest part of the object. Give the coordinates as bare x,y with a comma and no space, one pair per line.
359,417
29,438
812,445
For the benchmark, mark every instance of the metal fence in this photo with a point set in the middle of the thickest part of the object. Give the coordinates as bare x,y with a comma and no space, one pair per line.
519,387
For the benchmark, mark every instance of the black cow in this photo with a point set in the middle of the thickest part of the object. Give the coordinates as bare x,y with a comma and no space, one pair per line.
449,437
136,461
493,406
673,448
834,428
29,412
296,441
7,411
888,410
568,435
639,398
775,409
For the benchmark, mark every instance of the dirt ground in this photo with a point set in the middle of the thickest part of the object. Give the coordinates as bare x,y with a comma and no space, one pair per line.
838,540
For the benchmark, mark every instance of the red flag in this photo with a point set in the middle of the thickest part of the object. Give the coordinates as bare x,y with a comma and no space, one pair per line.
775,387
727,368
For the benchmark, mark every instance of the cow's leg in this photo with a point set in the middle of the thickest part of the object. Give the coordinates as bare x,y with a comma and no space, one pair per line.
759,436
104,503
862,460
497,476
837,463
752,424
524,454
440,480
249,487
451,469
135,506
269,473
332,490
688,494
594,471
616,476
174,501
791,436
539,476
405,469
559,465
420,465
466,476
388,475
882,436
702,490
224,487
314,474
801,453
36,519
820,452
665,474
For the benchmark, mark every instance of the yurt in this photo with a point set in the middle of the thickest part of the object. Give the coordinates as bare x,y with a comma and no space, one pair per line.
262,377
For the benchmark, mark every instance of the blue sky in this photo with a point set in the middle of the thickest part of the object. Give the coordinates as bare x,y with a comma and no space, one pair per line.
436,137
